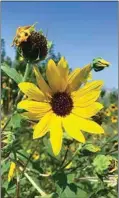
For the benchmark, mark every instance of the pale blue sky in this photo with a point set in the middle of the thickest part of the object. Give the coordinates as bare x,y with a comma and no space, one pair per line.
81,31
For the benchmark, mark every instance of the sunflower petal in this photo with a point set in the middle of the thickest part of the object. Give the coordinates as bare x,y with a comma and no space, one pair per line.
32,91
11,171
89,126
71,127
71,78
87,99
78,77
33,116
56,134
53,76
43,126
63,68
95,85
88,94
87,112
41,82
34,107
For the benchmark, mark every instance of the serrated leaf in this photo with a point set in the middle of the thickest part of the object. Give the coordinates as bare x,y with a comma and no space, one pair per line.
12,73
101,163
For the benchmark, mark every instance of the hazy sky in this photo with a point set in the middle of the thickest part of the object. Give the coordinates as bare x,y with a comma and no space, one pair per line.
81,31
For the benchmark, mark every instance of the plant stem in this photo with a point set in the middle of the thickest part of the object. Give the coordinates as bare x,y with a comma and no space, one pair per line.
71,159
35,185
27,71
66,153
26,74
31,156
18,186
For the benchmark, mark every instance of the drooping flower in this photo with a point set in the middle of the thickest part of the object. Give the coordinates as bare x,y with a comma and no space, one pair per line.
32,45
63,104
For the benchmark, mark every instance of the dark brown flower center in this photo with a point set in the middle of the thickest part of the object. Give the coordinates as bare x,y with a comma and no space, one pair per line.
61,103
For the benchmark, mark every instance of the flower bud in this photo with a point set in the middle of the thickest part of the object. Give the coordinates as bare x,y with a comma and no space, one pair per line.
99,64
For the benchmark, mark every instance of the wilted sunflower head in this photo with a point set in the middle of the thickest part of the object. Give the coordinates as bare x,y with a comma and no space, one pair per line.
66,102
32,45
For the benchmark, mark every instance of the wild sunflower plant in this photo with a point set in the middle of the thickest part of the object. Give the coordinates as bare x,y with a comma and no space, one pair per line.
52,138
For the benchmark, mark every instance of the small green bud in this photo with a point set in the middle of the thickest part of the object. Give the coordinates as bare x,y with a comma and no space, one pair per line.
99,64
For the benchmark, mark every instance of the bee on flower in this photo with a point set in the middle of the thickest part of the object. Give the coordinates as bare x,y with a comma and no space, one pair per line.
64,104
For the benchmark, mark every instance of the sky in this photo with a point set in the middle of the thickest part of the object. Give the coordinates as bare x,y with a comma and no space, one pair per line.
80,31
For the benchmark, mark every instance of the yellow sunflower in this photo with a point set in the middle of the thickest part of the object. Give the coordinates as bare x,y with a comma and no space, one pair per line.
64,104
107,112
36,155
113,107
114,119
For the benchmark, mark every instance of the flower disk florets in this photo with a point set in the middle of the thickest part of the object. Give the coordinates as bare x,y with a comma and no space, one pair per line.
61,103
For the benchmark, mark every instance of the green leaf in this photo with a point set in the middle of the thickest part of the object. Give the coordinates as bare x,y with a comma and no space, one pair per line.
53,195
92,148
3,192
71,191
61,181
101,163
16,121
5,167
12,73
50,44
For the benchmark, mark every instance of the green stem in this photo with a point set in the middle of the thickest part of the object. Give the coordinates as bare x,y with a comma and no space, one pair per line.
29,159
26,74
27,71
35,185
71,158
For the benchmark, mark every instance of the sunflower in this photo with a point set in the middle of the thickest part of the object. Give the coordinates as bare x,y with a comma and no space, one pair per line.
114,119
113,107
36,155
107,112
63,105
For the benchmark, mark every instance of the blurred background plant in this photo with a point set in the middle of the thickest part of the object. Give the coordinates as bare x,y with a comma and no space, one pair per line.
81,170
